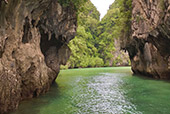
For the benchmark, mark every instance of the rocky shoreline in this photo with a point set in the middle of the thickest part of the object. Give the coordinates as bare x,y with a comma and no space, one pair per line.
33,43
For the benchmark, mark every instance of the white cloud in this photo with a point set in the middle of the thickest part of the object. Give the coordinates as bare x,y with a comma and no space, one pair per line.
102,6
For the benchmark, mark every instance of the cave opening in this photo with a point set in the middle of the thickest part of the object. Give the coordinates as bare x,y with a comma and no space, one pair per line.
47,42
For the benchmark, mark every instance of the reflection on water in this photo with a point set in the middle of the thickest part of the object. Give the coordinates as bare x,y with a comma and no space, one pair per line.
101,91
102,94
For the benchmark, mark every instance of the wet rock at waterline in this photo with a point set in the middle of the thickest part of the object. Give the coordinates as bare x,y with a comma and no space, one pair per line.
149,46
33,43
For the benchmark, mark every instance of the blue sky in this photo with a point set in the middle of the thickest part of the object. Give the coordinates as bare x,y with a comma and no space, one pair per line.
102,6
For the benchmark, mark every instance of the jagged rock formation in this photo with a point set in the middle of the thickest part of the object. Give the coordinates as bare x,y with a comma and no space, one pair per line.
149,47
33,43
121,58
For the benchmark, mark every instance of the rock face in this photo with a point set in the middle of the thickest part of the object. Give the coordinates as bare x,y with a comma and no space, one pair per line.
149,46
121,58
33,44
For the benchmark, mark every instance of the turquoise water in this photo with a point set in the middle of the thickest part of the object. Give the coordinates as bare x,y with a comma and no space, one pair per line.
101,91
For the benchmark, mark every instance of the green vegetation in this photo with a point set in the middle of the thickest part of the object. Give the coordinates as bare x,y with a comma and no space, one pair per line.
77,3
84,52
94,44
162,5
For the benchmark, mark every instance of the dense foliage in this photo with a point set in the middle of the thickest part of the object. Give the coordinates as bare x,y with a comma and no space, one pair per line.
112,28
94,44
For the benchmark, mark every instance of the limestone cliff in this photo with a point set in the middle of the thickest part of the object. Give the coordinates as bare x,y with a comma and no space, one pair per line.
121,58
149,46
33,43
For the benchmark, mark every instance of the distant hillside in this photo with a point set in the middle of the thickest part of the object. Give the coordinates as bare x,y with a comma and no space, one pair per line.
97,42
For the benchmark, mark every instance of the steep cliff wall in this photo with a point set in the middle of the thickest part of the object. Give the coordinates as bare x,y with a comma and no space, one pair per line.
33,43
149,46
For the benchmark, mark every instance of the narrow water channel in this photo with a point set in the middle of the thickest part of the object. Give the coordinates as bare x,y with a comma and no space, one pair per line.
101,91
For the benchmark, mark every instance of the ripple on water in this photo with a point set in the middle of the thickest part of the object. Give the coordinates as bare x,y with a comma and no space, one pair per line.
102,94
88,91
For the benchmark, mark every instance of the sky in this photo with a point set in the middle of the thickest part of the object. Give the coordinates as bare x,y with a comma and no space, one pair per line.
102,6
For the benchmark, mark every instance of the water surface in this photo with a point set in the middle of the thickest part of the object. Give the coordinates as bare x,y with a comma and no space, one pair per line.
101,91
